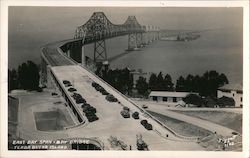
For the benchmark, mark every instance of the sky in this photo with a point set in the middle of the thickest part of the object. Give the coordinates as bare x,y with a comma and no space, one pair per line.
32,27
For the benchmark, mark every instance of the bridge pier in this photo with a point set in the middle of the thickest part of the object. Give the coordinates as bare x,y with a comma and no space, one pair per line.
139,40
100,53
132,44
83,57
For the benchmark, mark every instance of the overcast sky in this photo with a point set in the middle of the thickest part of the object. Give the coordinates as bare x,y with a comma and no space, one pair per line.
32,27
166,18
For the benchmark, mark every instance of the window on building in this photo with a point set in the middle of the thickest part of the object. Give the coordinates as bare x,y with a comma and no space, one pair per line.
241,99
174,99
155,98
239,92
165,98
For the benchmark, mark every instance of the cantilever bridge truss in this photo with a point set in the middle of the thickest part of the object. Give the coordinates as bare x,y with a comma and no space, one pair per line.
98,28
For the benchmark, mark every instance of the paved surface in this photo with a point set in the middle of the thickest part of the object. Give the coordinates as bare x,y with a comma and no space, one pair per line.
110,120
53,56
27,126
170,107
221,130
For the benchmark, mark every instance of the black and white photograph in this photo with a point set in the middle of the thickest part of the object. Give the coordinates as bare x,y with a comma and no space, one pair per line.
122,78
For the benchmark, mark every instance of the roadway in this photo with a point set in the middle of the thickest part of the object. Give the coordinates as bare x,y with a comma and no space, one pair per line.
110,122
210,126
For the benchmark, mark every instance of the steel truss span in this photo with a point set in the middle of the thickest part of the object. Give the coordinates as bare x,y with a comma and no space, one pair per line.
99,27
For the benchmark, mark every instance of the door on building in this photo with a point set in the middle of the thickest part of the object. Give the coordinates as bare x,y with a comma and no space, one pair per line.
174,99
155,98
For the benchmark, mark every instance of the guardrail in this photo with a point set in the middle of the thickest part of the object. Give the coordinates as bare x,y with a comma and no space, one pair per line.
127,99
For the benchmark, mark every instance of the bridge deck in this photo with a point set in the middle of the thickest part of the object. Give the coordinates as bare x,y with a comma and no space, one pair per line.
110,122
53,56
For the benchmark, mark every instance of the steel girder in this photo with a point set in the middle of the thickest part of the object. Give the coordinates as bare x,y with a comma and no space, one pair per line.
98,28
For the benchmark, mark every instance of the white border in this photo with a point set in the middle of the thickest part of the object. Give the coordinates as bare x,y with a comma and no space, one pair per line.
4,64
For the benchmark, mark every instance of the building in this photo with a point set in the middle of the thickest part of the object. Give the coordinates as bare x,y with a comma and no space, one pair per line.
167,96
232,91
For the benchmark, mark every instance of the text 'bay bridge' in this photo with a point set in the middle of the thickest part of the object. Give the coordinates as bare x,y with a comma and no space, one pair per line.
99,28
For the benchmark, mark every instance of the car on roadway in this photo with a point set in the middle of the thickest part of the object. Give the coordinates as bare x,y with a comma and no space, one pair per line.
71,89
111,98
135,115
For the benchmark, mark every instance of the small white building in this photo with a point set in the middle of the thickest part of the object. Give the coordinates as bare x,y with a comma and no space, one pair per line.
232,91
167,96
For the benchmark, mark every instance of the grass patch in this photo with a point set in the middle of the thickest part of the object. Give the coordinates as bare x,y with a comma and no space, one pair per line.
181,127
227,119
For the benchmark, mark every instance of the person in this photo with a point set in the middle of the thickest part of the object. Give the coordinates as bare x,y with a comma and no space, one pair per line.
130,147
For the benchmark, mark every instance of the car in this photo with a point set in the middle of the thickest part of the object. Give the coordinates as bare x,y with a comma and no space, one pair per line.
144,106
94,84
80,100
68,85
135,115
84,105
53,94
104,92
89,109
126,108
148,126
66,82
71,89
144,122
92,118
111,98
76,95
125,114
99,88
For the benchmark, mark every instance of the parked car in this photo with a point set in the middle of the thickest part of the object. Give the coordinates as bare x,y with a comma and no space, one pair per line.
71,89
89,109
53,94
76,95
125,114
111,98
66,82
144,106
80,100
148,126
126,108
104,92
144,122
135,115
85,105
94,84
68,85
92,117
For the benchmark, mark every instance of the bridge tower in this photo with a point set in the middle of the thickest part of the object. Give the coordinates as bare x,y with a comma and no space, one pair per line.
132,44
135,33
139,41
99,25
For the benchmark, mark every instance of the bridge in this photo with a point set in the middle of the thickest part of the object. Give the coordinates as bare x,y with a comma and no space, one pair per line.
99,28
58,64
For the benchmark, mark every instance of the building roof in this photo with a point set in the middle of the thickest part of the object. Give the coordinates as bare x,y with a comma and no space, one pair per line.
169,94
236,87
